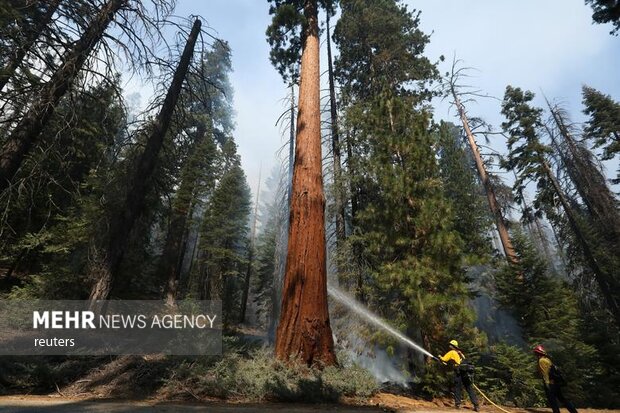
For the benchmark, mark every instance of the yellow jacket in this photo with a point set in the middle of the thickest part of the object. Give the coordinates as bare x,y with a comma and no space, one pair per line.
451,355
544,365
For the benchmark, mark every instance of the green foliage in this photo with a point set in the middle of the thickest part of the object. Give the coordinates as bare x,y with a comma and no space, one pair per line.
286,31
51,214
606,11
224,231
408,256
603,125
258,376
527,154
381,46
548,312
461,186
507,374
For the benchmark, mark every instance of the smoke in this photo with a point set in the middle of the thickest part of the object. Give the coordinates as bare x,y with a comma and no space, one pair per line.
498,324
349,329
372,358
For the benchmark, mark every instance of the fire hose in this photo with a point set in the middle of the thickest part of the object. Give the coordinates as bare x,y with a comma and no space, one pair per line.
352,304
489,400
479,391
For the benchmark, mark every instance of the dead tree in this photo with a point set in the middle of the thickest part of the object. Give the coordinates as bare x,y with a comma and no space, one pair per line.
340,214
248,275
123,222
182,208
500,222
30,127
30,37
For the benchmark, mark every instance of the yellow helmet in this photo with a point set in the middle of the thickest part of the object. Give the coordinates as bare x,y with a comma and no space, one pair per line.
454,343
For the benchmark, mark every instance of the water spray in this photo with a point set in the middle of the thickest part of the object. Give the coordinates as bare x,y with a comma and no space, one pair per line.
375,320
372,318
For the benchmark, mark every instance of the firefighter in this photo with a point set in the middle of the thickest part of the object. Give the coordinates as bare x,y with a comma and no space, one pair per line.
552,381
463,374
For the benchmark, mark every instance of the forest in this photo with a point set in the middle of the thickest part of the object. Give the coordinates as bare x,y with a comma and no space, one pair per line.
419,220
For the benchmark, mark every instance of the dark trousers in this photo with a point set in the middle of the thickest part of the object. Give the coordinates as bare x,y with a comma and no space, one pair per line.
554,394
460,381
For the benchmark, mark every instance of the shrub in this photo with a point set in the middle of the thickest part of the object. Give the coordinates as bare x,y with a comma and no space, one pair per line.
256,376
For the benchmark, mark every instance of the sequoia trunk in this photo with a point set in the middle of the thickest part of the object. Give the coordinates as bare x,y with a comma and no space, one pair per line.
304,330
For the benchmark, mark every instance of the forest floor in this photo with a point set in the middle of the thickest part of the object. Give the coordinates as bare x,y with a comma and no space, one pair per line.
133,384
382,402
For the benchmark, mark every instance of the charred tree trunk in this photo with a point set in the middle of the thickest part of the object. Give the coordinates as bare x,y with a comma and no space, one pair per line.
29,40
122,224
340,230
500,223
248,275
304,330
291,146
174,248
34,121
355,205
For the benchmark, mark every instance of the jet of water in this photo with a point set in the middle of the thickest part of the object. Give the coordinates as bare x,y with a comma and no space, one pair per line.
358,308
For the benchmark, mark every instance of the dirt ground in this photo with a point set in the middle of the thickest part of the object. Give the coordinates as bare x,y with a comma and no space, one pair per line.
381,402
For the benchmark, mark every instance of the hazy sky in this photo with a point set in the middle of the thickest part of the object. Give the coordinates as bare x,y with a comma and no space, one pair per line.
547,45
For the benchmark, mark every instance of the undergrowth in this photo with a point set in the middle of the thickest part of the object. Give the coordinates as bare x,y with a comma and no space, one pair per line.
256,376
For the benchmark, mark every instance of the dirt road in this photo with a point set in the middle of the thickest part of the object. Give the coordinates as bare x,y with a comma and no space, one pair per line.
31,404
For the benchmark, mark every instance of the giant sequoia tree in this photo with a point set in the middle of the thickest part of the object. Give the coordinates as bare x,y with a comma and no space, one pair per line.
304,330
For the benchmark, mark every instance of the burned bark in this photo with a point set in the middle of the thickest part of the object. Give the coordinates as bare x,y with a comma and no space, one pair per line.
28,130
123,222
304,330
291,146
176,239
338,198
248,274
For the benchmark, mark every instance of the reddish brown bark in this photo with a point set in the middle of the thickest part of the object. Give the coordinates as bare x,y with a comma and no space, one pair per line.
304,330
32,124
500,223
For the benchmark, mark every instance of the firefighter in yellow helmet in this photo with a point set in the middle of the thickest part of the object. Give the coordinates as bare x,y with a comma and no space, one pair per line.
463,374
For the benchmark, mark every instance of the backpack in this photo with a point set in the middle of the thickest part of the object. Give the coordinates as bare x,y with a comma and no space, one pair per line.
555,374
